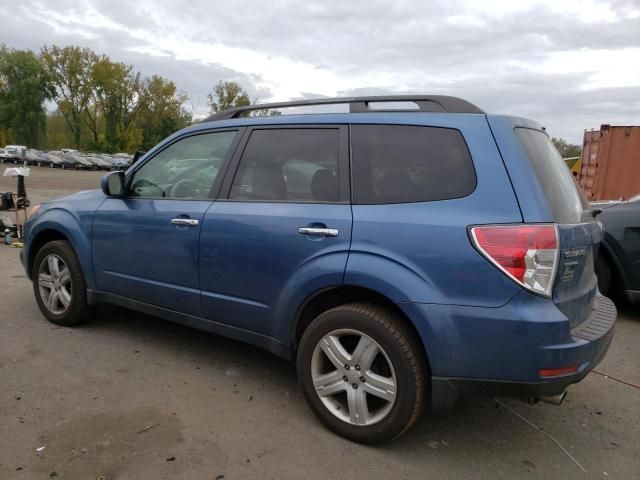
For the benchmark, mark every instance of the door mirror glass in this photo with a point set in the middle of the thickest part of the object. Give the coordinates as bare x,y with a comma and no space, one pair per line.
113,184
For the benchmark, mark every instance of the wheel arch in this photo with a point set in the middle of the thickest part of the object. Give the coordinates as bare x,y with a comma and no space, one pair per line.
60,228
42,238
327,298
610,250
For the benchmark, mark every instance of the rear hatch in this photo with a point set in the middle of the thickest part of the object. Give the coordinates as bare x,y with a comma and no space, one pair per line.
580,234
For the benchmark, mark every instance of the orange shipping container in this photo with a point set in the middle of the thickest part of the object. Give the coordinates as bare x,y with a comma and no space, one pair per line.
610,163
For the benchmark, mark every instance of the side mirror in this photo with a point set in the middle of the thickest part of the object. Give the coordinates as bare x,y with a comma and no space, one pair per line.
112,184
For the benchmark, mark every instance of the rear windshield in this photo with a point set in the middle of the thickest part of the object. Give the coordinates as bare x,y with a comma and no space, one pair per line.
560,189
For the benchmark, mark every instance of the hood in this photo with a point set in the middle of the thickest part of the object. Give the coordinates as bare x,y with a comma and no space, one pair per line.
84,195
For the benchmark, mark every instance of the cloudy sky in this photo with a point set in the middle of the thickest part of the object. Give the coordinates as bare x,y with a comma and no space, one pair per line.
570,64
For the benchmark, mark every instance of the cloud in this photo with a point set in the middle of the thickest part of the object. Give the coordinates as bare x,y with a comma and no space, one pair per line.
570,65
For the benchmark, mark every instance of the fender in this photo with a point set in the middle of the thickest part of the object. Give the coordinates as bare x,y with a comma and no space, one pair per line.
318,273
71,226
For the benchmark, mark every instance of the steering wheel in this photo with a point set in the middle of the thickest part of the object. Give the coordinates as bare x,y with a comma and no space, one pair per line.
185,189
145,183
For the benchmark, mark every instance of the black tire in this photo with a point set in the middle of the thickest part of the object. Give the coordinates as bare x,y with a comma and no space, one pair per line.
78,310
404,355
605,275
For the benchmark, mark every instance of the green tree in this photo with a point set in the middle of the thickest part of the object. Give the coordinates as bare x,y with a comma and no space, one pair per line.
70,69
227,95
566,149
24,87
162,112
109,84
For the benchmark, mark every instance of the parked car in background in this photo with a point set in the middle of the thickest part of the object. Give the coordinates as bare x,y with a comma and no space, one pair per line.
618,264
177,167
13,154
31,156
121,161
98,161
54,159
78,161
36,157
403,256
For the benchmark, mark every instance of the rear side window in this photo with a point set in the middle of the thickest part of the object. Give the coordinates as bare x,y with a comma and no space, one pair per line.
295,165
565,199
401,164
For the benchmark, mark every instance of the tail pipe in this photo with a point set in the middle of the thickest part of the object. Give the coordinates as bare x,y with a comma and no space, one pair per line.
552,399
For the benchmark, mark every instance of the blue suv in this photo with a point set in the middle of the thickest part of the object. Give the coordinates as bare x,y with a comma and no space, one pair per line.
405,251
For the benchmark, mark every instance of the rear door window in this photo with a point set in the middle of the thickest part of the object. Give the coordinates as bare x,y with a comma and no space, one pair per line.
292,165
565,199
402,164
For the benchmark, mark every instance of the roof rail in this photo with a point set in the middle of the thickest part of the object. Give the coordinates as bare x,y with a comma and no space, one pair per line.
426,103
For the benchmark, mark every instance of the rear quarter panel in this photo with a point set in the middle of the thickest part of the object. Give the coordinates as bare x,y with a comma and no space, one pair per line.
421,252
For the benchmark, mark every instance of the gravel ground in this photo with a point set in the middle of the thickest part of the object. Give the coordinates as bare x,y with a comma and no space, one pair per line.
129,396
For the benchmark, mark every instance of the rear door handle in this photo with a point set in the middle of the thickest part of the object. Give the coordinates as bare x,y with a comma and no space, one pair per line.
192,222
318,232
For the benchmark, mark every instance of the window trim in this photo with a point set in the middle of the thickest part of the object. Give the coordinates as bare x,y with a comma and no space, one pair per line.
217,183
464,140
343,163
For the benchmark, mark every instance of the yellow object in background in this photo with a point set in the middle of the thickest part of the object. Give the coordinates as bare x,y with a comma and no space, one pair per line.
574,164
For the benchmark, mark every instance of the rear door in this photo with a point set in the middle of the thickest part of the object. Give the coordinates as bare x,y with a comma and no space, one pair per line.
548,193
281,226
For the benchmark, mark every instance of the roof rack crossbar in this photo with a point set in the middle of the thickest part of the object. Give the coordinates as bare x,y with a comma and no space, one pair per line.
425,103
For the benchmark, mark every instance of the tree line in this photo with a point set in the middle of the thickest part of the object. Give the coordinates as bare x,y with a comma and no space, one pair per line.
94,103
101,104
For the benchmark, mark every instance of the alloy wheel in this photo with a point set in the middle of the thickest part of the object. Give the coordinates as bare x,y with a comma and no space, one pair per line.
54,282
353,377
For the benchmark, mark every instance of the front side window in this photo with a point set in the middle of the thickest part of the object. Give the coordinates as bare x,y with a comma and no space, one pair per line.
402,164
186,169
294,165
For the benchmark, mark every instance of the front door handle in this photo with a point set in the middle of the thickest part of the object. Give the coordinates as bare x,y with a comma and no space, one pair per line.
318,232
192,222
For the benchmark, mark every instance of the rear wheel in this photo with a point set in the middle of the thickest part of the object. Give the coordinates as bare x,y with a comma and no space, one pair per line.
59,285
362,373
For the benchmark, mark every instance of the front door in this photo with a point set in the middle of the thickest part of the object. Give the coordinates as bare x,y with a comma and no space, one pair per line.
281,227
145,245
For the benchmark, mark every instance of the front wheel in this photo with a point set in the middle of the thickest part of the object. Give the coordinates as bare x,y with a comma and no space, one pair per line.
362,372
59,285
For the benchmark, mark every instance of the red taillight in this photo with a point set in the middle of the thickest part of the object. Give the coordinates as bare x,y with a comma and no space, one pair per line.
526,253
557,372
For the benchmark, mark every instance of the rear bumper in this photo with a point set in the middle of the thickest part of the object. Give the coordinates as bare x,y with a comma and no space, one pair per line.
500,351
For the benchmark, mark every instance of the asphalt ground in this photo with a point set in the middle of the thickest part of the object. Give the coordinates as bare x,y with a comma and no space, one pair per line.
128,396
